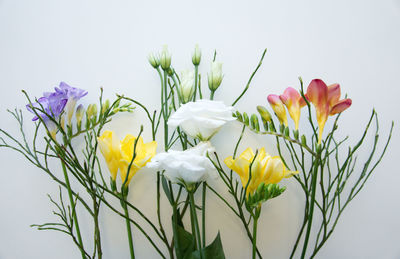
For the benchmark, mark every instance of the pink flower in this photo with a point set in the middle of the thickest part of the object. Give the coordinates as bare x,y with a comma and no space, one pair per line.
326,100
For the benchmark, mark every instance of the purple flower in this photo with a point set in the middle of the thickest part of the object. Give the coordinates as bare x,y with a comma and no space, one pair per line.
70,92
54,103
51,103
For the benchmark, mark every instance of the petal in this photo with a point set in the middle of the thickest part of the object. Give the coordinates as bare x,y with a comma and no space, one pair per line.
317,92
333,94
278,107
340,106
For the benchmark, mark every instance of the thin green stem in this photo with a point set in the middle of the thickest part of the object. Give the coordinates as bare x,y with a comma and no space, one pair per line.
128,228
73,207
203,214
195,223
255,221
312,203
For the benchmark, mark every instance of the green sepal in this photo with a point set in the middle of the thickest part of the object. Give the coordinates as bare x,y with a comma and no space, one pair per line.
263,193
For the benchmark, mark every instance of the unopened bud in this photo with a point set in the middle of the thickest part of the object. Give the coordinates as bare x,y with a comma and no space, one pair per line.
165,58
154,60
105,106
187,85
265,115
79,113
215,76
196,56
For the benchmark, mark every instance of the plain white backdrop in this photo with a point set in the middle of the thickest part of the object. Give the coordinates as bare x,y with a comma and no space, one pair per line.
89,44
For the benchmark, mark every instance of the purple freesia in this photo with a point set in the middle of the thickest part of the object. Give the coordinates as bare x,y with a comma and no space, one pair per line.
51,103
70,92
54,103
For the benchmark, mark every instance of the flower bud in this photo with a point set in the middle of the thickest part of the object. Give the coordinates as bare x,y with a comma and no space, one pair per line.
79,114
254,122
215,76
265,115
105,106
186,90
154,60
196,56
165,59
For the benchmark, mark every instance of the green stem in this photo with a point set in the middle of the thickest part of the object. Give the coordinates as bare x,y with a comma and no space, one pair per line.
71,200
196,75
165,111
203,214
195,222
212,95
312,203
255,221
128,228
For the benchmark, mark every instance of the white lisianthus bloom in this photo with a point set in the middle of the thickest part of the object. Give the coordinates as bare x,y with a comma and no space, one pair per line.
201,119
186,167
187,85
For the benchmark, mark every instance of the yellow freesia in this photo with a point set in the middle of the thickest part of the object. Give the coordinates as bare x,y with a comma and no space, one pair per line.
110,148
143,152
265,169
118,154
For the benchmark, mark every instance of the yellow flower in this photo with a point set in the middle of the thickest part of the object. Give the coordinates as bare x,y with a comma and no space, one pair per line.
118,154
143,154
110,148
265,169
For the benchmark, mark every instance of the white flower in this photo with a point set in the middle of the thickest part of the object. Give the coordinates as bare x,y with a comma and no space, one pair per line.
187,85
201,119
187,167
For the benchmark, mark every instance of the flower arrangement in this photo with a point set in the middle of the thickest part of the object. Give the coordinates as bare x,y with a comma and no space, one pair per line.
187,161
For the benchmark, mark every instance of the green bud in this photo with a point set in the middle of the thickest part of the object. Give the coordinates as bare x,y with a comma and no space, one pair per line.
281,128
165,59
79,114
287,132
265,115
254,122
196,56
154,60
239,116
265,124
105,106
246,119
303,140
215,76
117,103
94,109
296,134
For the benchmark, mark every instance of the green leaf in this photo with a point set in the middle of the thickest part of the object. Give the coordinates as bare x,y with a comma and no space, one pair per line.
212,251
186,242
166,190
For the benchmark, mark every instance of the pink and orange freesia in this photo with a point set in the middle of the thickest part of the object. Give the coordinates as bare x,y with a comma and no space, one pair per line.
293,102
278,107
326,100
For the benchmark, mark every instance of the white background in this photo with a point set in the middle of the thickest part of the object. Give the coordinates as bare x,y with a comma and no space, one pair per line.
89,44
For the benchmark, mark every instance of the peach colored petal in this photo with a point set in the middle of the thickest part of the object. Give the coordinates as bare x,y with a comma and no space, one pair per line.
340,106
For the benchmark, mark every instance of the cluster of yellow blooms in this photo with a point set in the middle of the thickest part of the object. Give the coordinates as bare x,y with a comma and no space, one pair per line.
119,154
254,171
